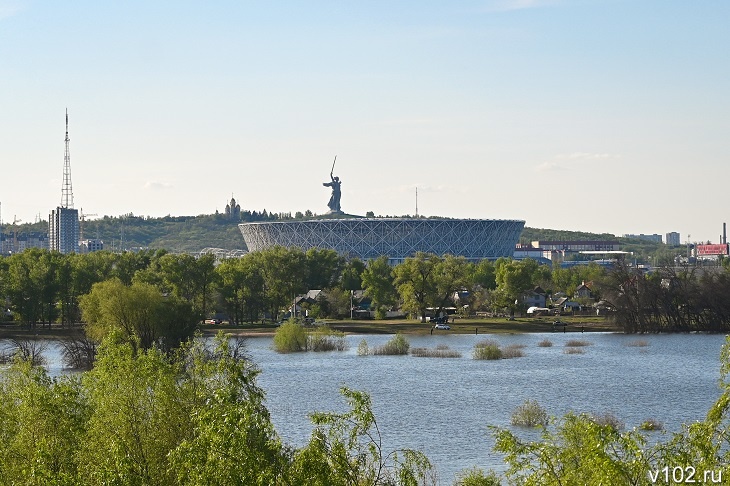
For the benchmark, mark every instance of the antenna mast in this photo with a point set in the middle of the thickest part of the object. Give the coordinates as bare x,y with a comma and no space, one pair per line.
416,201
67,195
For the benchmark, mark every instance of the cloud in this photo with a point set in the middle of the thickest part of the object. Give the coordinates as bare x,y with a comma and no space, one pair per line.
550,166
585,156
562,162
157,186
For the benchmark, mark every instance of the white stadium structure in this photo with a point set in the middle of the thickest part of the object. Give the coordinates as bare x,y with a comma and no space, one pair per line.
398,238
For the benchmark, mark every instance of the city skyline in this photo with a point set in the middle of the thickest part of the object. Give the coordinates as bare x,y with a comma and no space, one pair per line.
587,115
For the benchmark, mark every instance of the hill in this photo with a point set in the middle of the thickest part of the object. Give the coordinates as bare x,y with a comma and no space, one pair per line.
193,233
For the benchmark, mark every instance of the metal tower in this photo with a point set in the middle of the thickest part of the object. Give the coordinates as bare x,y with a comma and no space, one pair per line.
67,194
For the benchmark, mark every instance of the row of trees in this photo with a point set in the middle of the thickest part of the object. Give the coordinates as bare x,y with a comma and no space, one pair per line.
41,287
670,299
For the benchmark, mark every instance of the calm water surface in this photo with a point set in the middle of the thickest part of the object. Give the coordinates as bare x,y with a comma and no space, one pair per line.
444,405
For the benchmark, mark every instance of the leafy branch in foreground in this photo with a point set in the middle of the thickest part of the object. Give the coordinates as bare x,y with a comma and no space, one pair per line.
347,448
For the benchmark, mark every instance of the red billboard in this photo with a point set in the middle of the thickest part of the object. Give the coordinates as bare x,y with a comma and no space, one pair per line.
709,250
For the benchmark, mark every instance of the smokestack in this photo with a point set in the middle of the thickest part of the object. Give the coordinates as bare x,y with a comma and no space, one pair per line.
724,233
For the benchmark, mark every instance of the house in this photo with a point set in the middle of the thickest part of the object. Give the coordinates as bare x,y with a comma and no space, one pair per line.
583,291
535,297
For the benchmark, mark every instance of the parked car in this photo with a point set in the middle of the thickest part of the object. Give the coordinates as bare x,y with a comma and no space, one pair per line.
213,321
443,327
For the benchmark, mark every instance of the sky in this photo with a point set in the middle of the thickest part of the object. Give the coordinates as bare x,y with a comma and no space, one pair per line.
591,115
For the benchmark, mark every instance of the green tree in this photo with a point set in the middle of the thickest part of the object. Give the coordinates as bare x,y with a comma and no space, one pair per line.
284,271
324,268
42,424
31,285
379,284
140,311
241,286
514,277
352,275
187,277
346,449
450,275
233,441
415,281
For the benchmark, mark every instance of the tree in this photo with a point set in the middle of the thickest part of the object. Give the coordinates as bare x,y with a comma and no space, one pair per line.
513,279
186,276
42,424
415,281
241,286
324,268
378,282
139,311
31,285
283,271
352,275
346,449
233,441
450,275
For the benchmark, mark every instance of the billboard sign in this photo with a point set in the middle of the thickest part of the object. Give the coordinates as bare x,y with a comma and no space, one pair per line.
710,250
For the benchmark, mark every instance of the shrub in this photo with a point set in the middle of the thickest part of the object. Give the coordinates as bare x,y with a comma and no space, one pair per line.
477,477
398,344
440,351
362,348
30,350
290,337
577,342
574,351
513,351
530,414
487,349
608,420
545,343
651,424
79,352
326,339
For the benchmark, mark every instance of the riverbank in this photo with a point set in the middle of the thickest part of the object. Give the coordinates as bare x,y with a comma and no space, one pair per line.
458,326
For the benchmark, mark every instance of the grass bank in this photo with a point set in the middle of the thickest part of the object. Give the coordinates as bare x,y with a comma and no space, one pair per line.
495,325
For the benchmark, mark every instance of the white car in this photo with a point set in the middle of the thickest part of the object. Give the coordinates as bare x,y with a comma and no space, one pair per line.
443,327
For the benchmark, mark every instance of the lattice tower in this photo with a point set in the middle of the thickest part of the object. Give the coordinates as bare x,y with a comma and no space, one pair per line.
67,194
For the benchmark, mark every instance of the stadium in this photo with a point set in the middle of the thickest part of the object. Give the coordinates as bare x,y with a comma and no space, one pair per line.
398,238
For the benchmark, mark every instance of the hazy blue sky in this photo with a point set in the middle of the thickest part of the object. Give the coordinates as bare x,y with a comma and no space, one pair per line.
596,115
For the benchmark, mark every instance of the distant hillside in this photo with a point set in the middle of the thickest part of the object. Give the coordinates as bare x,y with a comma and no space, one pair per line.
193,233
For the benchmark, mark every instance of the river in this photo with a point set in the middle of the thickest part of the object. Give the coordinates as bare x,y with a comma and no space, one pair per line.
443,406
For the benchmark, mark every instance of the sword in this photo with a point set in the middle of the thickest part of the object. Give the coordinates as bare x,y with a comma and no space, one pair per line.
333,167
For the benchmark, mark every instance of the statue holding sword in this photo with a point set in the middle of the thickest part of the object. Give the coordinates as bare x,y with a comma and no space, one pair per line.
334,202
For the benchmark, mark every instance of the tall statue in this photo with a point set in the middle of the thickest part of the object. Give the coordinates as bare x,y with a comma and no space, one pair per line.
334,203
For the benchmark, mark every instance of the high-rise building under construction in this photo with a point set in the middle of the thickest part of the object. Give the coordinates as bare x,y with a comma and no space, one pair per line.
63,222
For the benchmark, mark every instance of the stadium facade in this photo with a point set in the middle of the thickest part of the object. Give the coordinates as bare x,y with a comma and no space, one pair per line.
398,238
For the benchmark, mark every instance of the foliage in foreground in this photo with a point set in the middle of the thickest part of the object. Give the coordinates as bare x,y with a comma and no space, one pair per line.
198,417
193,417
586,449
